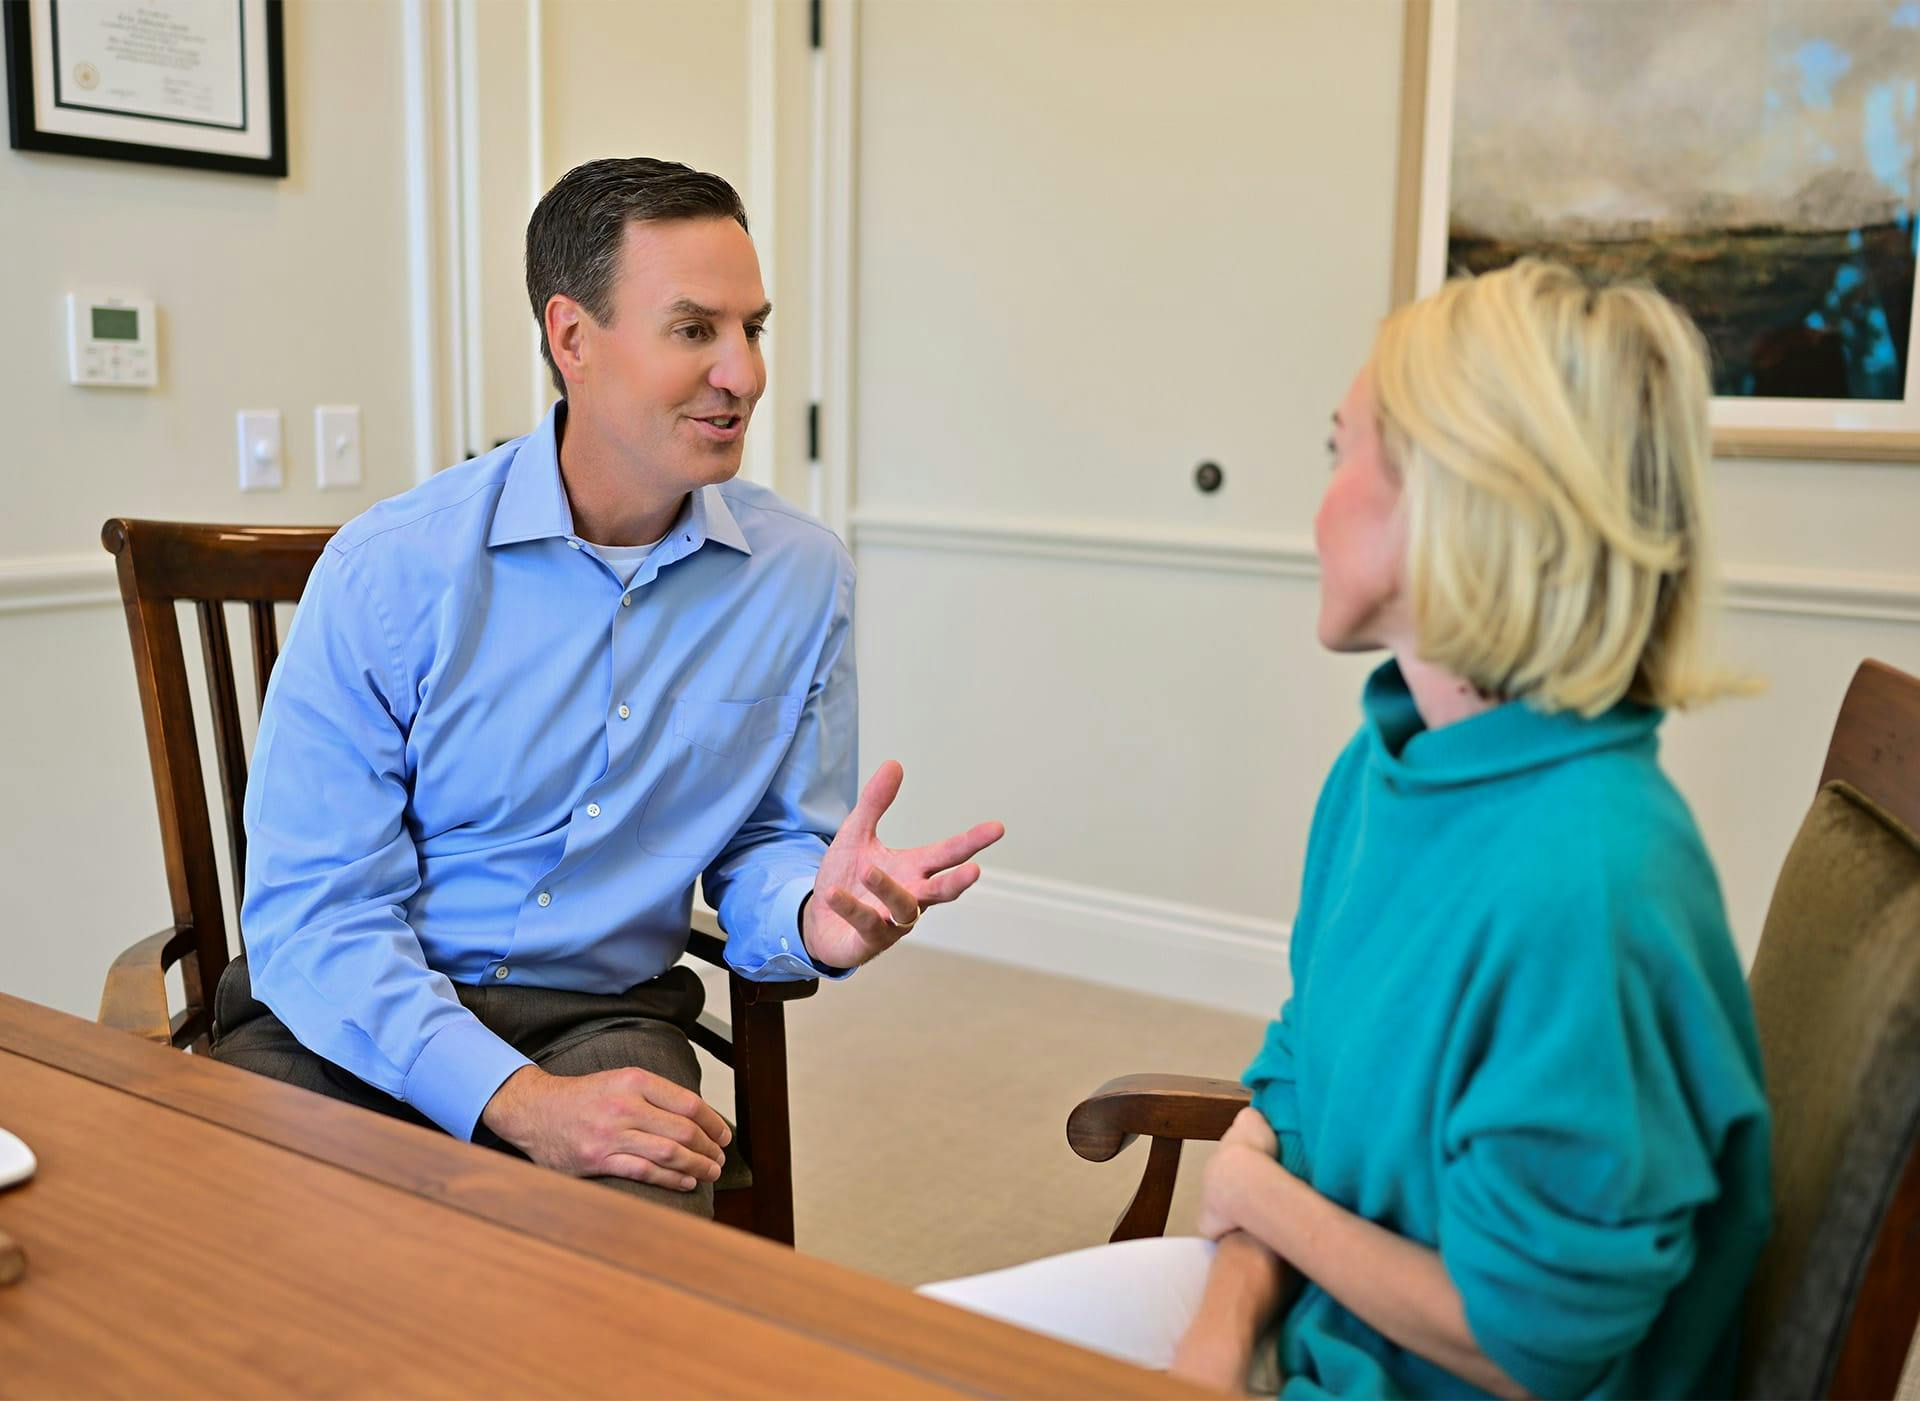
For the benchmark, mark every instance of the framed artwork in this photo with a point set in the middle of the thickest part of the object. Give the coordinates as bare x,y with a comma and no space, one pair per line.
169,82
1759,162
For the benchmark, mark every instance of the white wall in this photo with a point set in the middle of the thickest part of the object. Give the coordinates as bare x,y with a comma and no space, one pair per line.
294,293
667,78
272,294
1098,243
1095,242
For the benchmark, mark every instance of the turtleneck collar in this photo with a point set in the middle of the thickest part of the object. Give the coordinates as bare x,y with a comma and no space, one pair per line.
1498,743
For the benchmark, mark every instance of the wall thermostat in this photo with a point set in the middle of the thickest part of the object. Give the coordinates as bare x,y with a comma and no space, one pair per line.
110,340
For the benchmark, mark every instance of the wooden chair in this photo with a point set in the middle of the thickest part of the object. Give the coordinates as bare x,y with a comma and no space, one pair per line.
164,563
1833,1307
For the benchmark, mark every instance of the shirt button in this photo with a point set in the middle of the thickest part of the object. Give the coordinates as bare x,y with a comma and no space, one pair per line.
624,712
783,943
626,600
502,971
593,809
545,899
573,544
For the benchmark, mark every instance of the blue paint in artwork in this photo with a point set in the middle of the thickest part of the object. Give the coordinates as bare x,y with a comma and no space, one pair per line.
1907,16
1879,361
1852,313
1886,118
1822,65
1854,242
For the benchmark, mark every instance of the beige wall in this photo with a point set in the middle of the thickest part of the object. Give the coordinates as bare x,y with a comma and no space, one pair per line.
1100,242
1096,242
289,294
271,294
505,196
667,78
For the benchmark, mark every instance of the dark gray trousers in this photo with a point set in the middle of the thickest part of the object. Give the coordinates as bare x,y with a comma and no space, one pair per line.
564,1033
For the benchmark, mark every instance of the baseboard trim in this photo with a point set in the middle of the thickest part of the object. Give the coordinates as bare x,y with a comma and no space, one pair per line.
1186,952
1820,593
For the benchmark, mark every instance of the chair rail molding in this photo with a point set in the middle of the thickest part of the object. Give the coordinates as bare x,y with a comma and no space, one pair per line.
36,582
1857,596
40,583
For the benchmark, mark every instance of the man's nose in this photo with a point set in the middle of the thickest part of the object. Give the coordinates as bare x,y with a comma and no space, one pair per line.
737,369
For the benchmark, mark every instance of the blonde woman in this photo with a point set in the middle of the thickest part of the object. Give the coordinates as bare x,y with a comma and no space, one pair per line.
1509,1134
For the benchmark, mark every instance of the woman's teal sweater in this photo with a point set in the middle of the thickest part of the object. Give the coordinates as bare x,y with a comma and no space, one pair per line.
1519,1035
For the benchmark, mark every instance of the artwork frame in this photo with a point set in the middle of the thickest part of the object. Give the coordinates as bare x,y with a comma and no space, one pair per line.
206,89
1882,429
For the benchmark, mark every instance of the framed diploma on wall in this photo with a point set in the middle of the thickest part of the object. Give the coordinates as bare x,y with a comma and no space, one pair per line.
170,82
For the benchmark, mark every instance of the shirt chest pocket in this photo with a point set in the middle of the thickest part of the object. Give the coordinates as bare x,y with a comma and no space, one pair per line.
721,756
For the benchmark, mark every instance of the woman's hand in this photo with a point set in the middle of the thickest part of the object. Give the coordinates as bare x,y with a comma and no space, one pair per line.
1244,1162
1244,1288
1250,1129
1212,1353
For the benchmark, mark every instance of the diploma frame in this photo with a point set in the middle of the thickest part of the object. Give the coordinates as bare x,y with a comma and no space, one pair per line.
154,141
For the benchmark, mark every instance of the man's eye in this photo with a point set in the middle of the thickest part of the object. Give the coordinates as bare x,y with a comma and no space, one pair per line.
694,332
755,332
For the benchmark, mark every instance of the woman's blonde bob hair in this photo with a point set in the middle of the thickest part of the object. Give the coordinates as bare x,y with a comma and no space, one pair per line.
1553,446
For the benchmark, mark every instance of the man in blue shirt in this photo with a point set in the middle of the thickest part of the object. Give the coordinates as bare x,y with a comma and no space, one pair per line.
524,706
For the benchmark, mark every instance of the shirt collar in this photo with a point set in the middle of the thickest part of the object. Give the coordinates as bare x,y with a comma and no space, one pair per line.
711,512
533,503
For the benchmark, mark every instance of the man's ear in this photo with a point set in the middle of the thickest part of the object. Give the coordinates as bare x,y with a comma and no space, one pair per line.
567,323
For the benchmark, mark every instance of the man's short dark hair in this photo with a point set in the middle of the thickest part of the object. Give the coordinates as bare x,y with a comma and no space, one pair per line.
579,227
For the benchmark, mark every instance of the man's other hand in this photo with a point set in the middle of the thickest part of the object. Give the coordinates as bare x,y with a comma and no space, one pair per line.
614,1123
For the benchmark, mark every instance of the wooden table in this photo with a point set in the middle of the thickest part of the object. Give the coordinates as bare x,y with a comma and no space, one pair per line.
195,1230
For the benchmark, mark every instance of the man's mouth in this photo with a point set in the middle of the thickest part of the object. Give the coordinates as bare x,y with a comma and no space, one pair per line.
719,427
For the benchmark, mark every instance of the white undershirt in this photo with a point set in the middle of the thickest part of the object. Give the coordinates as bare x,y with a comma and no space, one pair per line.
625,560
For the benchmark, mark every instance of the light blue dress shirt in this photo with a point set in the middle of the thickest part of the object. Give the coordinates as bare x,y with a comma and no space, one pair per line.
486,758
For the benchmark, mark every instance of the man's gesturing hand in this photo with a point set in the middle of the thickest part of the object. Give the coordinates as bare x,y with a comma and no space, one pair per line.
867,894
613,1123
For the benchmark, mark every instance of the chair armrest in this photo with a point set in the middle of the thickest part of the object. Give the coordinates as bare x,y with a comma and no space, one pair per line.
1160,1106
707,941
135,996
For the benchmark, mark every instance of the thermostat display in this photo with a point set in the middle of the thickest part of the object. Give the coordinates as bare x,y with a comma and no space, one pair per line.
112,323
110,340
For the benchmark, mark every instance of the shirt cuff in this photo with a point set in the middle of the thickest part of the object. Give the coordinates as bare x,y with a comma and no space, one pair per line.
457,1072
786,957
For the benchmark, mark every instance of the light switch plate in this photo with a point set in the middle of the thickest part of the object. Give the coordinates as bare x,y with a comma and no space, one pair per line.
262,461
336,446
